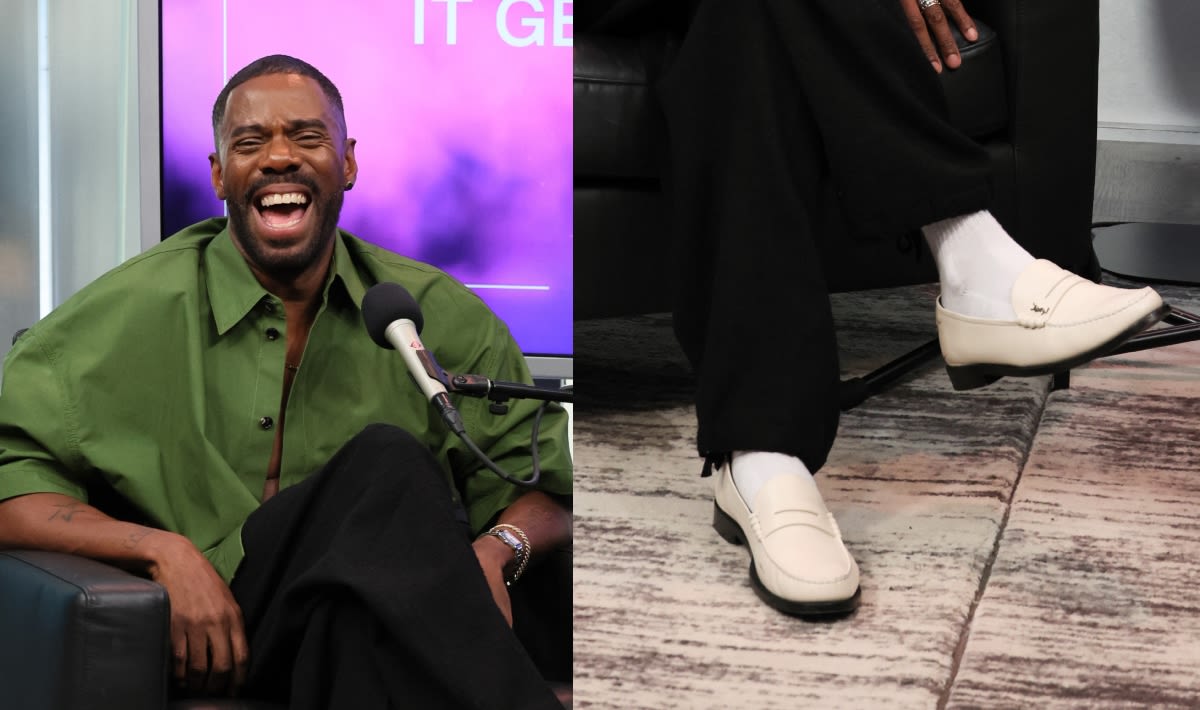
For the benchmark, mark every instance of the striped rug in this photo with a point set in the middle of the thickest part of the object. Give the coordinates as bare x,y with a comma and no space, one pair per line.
1019,547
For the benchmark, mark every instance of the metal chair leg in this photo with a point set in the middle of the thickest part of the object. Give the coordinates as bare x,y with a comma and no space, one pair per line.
1182,327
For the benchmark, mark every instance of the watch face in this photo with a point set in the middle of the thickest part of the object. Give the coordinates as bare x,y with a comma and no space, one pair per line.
510,539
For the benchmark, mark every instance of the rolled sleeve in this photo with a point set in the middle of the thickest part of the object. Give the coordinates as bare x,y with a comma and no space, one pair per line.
38,447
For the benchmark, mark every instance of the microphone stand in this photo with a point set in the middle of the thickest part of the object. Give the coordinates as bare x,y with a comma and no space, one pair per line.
500,392
480,386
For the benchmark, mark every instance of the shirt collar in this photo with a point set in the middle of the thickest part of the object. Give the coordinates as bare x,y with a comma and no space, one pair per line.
234,292
344,270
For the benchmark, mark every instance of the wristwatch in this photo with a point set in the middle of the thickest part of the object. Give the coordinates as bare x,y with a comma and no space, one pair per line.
515,538
509,539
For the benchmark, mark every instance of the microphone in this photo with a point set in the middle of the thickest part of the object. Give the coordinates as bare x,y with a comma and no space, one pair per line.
394,320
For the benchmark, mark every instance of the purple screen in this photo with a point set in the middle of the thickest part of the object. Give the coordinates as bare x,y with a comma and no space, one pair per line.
462,113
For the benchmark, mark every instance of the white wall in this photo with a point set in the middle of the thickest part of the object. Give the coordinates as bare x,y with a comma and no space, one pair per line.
19,279
1150,69
79,134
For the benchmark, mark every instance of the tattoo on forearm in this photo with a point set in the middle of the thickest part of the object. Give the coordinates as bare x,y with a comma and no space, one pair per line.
65,512
136,537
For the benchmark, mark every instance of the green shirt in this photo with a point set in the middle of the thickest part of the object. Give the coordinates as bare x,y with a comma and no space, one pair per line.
158,377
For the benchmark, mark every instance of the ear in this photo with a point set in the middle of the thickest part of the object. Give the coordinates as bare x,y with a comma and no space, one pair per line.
214,164
350,167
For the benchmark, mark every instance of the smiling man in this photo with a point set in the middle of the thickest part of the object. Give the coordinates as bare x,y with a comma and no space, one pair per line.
325,541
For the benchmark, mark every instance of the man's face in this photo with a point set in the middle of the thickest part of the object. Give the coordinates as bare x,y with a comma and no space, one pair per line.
281,166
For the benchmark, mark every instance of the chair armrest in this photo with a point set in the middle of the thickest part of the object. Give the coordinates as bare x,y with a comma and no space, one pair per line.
76,633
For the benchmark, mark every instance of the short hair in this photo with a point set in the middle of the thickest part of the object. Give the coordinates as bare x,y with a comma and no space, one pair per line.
274,64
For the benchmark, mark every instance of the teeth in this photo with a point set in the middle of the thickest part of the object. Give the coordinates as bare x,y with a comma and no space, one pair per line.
286,198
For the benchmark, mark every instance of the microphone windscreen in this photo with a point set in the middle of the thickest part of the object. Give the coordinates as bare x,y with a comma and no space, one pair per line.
385,303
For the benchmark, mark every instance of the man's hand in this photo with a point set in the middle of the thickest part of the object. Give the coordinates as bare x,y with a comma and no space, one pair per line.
932,19
546,522
208,638
493,556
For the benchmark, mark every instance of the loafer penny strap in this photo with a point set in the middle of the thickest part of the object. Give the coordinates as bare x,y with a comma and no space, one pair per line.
1039,291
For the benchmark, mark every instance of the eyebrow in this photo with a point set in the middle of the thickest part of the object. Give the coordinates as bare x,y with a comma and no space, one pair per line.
297,125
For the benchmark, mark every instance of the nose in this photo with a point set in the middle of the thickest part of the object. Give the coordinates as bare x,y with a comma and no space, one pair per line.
279,156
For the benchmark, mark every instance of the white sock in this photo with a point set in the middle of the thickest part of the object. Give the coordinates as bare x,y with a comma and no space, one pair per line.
751,469
977,264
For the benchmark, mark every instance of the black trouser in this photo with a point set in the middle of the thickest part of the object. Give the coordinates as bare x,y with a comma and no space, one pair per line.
779,110
360,590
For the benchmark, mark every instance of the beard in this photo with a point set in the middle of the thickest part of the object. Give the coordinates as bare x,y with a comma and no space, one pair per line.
290,263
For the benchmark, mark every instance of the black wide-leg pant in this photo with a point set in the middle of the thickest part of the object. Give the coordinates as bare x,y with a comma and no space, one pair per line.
360,590
778,110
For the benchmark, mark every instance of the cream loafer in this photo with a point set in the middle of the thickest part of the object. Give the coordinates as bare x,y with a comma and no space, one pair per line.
1063,321
798,563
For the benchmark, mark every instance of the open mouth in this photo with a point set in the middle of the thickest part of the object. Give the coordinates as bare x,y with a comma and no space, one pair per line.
282,210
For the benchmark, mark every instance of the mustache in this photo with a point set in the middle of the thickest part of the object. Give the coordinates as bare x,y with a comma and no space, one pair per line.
278,179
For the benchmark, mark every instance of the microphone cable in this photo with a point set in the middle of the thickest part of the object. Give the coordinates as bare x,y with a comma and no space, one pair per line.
536,475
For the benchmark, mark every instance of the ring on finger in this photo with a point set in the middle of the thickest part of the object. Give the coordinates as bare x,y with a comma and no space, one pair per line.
926,4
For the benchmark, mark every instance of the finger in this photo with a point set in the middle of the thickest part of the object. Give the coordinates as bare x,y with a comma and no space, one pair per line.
506,608
197,663
500,595
916,23
179,656
942,37
958,13
241,657
221,665
504,601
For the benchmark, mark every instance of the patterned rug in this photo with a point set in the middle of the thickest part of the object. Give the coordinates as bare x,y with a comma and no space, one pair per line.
1018,547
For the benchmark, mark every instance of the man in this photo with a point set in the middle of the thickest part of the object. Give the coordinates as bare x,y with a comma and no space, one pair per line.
219,385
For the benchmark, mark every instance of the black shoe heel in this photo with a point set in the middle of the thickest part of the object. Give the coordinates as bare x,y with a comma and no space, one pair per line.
726,527
969,378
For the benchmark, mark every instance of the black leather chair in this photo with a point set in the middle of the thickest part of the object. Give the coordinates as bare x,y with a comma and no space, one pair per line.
75,633
1026,91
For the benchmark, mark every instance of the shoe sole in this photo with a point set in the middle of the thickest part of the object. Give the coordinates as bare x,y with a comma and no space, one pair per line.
731,532
969,377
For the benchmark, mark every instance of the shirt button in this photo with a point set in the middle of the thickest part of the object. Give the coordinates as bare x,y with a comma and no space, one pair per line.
266,422
272,334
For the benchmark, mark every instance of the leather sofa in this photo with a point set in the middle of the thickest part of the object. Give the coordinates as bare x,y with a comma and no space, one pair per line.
1026,92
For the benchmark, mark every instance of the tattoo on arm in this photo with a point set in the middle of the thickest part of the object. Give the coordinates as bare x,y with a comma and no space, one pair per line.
136,537
65,512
